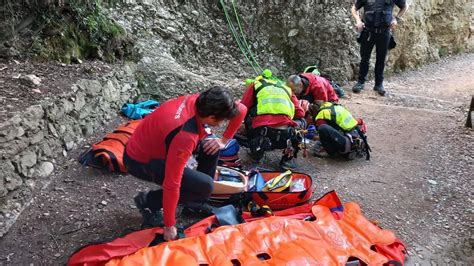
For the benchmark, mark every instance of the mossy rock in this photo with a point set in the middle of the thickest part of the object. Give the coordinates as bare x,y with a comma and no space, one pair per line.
81,32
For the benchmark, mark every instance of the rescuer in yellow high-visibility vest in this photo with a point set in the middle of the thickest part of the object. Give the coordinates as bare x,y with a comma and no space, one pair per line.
274,113
339,132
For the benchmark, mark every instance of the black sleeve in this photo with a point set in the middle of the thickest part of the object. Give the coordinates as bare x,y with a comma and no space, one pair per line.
361,3
400,3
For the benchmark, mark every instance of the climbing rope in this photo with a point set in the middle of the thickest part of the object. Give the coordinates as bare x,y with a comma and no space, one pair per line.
243,36
240,39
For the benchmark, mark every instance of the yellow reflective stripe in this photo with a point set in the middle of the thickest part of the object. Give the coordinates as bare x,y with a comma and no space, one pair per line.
275,100
348,119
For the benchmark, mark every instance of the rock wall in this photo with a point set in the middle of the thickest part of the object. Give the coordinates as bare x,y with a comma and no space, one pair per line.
187,45
34,141
433,29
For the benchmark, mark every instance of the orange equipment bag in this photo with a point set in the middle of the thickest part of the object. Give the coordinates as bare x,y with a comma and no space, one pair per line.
310,234
108,153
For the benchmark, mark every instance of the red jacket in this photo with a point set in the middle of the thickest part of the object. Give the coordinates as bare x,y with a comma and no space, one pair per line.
319,88
171,133
271,120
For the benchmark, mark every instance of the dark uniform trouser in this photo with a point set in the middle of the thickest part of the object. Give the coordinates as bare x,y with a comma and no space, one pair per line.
332,140
196,185
369,39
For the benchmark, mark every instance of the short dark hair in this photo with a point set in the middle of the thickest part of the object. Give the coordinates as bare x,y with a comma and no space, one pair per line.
217,101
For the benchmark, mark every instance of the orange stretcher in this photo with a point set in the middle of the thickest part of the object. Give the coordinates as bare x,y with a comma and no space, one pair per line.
276,241
321,233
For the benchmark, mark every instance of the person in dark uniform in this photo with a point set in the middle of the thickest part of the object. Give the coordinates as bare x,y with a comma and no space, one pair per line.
375,31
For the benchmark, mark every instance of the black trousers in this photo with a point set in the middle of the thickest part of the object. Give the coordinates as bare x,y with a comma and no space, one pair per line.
196,185
333,141
266,139
368,40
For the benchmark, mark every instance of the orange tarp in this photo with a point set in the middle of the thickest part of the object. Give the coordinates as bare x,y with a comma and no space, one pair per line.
275,241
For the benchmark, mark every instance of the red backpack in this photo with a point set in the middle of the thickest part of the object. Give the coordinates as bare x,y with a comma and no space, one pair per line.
284,199
274,200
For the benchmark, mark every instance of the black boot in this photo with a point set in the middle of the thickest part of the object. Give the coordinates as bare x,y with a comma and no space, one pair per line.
358,87
151,218
380,89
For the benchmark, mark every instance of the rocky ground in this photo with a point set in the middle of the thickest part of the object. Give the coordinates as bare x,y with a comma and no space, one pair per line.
418,182
23,84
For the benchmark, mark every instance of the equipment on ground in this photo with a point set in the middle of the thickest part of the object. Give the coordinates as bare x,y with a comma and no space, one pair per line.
279,183
278,190
227,182
108,153
139,110
229,155
290,189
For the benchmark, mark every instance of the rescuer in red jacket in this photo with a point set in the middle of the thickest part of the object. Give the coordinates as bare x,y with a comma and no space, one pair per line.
312,88
162,144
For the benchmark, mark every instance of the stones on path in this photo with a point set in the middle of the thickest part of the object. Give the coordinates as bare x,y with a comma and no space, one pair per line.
45,169
31,80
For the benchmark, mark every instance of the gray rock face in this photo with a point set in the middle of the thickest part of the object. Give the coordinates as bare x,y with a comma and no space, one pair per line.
28,159
188,46
37,138
91,87
9,180
33,140
110,93
32,116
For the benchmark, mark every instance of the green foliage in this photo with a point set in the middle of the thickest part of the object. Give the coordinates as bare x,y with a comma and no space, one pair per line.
442,52
91,18
81,30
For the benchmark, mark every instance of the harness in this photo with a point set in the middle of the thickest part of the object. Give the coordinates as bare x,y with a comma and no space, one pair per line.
333,120
267,139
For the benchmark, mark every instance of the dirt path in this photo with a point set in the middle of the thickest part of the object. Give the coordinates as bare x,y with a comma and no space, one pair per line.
418,182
